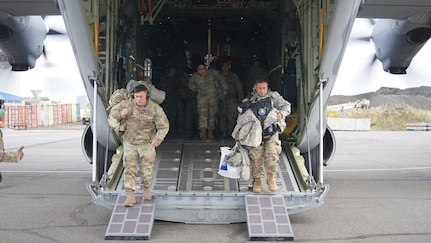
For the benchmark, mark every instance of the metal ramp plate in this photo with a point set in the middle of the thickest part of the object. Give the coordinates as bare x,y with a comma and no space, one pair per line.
192,166
267,218
131,223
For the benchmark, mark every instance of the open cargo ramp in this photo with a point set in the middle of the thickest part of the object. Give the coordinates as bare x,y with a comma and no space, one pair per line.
189,190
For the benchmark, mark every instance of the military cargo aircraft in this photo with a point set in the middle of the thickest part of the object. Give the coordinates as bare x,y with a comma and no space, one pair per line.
300,42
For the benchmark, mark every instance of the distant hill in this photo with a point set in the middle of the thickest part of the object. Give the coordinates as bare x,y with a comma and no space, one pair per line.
418,97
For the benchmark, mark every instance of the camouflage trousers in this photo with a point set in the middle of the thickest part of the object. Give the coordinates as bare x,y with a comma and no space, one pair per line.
207,109
267,152
228,115
142,156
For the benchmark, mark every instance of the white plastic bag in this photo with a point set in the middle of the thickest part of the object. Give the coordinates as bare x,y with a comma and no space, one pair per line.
225,169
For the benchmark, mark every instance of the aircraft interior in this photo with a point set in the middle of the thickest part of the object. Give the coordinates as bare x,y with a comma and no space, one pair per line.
182,34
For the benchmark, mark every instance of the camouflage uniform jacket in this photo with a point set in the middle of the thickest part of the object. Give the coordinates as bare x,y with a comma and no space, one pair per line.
143,123
248,129
206,86
278,102
118,96
234,90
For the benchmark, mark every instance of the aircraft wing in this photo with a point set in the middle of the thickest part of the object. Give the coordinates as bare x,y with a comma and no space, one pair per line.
23,30
30,7
393,9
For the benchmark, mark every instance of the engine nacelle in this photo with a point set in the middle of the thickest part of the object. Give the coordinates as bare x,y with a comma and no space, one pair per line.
329,146
103,155
87,144
312,159
22,39
398,41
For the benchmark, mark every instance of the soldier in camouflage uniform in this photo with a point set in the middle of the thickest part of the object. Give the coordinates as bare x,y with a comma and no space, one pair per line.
234,95
209,85
125,94
270,148
8,156
146,126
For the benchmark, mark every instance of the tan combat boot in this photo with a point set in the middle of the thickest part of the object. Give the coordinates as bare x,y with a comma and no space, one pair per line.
271,182
210,134
146,193
203,133
257,185
130,200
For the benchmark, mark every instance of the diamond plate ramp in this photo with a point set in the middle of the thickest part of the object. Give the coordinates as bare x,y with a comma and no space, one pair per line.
267,218
131,223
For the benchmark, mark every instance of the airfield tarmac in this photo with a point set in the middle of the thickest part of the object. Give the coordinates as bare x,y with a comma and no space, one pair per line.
380,192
